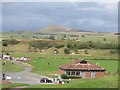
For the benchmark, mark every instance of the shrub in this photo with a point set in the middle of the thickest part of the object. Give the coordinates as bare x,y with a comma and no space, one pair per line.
74,77
59,46
52,37
10,41
63,76
85,51
83,36
40,44
5,44
104,39
112,51
66,50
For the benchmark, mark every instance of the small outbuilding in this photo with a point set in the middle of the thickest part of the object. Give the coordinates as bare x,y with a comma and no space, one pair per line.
82,68
6,57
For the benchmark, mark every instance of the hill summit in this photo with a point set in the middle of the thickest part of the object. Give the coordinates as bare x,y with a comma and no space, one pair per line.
58,28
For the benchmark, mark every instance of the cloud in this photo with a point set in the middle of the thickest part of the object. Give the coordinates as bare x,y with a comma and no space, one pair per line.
90,15
92,22
60,0
109,7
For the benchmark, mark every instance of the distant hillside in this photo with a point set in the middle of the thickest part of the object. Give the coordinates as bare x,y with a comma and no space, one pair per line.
57,28
53,28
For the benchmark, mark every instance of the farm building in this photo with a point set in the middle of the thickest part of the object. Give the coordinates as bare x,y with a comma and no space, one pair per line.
82,68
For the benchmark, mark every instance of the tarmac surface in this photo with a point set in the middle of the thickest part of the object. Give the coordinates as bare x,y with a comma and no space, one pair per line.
25,76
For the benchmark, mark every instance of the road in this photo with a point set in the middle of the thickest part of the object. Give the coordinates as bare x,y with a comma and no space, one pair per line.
25,76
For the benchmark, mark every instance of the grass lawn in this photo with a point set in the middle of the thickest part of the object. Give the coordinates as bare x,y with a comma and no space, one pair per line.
45,69
10,67
13,85
41,64
109,82
111,66
41,67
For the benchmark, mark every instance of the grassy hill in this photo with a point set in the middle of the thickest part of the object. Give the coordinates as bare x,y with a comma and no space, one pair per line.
53,28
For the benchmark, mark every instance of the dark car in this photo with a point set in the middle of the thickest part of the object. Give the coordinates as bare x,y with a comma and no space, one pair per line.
45,80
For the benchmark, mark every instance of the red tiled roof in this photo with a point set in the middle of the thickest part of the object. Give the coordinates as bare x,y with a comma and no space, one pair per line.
76,65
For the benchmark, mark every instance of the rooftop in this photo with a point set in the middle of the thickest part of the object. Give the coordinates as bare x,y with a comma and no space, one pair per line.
80,64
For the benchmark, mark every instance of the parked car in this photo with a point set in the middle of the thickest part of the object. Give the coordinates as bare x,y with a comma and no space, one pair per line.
8,77
45,80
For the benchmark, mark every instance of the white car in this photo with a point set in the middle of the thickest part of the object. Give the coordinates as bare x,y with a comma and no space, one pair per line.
8,77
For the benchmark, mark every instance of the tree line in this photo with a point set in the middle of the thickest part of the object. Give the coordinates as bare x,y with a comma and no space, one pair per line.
41,44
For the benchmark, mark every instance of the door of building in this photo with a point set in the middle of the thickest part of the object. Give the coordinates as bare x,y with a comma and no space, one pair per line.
92,74
83,74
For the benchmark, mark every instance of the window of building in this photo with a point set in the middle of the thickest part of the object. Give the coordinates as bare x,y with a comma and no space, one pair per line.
77,72
67,72
72,72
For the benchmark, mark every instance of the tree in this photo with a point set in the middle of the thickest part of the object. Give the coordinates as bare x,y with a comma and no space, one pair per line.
11,36
64,36
7,54
66,50
85,51
33,37
77,38
52,37
83,36
104,39
90,43
5,44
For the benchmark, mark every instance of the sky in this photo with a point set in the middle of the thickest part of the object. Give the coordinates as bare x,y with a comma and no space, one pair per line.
93,16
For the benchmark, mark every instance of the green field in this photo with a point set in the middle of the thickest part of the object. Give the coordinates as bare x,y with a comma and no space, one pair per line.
41,64
87,37
10,67
103,57
109,82
41,67
53,68
92,54
13,85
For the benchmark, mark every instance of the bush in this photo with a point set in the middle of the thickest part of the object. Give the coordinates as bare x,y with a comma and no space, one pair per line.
104,39
66,50
52,37
74,77
10,41
63,76
59,46
40,44
83,36
5,44
85,51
